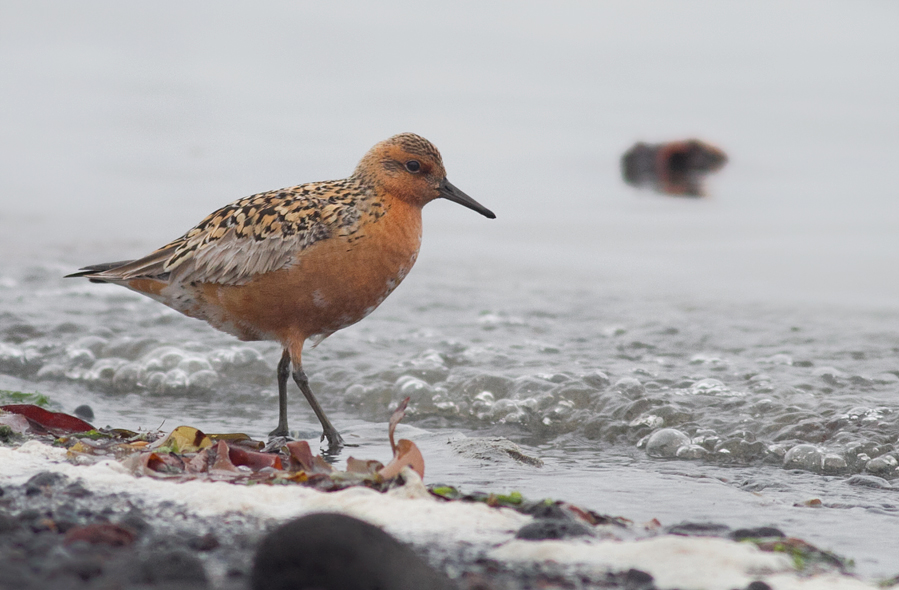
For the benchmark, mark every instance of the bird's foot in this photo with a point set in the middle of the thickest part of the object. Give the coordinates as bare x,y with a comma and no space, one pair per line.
281,430
335,441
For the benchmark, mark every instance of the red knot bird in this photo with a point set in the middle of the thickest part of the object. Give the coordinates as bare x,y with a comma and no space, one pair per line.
302,262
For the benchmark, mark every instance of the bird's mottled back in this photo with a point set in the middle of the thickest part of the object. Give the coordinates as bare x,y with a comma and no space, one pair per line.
271,228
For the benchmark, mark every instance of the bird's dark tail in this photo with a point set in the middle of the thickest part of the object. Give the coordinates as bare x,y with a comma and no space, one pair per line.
97,268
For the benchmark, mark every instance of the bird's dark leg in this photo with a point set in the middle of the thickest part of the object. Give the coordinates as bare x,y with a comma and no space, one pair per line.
283,372
334,438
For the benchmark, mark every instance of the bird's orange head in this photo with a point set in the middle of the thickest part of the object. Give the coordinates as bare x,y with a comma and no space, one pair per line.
409,167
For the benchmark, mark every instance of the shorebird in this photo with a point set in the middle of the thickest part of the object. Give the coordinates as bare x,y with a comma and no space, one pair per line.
302,262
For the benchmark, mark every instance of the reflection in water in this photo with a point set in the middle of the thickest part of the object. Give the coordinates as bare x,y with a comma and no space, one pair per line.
673,168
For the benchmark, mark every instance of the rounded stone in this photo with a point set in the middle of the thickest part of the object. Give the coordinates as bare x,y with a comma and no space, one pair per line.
762,532
168,567
553,529
335,551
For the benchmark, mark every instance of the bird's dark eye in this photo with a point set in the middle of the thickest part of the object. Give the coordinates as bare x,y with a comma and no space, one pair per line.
413,166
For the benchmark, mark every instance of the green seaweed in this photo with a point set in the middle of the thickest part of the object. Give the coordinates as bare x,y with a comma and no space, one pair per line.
444,491
806,557
21,397
511,500
95,435
170,447
7,434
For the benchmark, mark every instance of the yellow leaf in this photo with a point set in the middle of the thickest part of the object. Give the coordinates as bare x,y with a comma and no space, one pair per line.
186,439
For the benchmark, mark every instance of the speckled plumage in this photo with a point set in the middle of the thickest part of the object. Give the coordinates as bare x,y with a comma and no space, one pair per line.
300,262
267,229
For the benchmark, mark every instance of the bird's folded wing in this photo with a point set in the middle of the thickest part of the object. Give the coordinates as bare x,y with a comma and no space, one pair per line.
249,237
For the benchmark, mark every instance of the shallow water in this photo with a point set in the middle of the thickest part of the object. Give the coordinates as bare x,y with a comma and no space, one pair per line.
760,323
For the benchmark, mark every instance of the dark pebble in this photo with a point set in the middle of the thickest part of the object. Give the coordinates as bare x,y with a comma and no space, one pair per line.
135,521
8,523
698,529
77,490
338,552
29,516
85,412
175,567
207,542
546,510
81,567
43,482
762,532
16,575
556,528
636,579
63,526
758,585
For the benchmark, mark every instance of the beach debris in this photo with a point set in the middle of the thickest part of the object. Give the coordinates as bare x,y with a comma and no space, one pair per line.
673,168
187,453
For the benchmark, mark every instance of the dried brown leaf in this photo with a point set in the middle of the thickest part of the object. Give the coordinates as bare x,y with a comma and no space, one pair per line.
252,459
370,466
406,453
238,439
301,458
199,463
222,463
162,464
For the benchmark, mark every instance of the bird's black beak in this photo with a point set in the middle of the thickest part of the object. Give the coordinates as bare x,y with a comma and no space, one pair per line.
448,191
